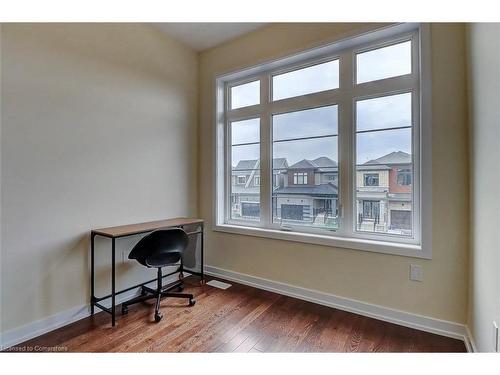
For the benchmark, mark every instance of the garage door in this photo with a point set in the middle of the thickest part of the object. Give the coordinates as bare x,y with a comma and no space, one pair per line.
250,209
400,219
292,212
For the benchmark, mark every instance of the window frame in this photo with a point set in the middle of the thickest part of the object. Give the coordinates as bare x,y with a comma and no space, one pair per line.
345,50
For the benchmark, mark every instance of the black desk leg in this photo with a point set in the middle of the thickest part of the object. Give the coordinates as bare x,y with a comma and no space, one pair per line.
113,317
92,294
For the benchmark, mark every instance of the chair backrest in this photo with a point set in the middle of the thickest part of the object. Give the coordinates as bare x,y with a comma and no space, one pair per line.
160,248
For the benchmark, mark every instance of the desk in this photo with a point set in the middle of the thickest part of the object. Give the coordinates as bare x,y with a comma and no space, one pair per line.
129,230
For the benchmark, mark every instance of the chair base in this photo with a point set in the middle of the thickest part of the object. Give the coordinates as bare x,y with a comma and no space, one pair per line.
150,293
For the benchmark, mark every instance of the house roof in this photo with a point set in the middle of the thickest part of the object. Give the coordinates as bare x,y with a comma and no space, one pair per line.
322,163
397,157
278,163
384,162
303,164
246,165
325,189
372,167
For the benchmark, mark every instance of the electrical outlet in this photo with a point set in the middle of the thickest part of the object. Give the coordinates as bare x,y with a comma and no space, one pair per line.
495,337
416,273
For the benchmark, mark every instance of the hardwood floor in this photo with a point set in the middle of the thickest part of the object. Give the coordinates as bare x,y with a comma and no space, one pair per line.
239,319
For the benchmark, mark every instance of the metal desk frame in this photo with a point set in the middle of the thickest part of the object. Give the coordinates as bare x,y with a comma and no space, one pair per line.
95,301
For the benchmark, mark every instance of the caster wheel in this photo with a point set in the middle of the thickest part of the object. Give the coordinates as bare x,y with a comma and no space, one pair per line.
181,276
158,317
192,301
143,292
124,310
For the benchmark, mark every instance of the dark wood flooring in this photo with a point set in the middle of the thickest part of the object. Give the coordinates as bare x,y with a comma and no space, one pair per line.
239,319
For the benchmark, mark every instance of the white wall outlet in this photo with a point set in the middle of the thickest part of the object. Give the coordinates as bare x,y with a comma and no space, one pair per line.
416,273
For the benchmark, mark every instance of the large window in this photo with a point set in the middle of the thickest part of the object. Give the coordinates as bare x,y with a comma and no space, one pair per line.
327,143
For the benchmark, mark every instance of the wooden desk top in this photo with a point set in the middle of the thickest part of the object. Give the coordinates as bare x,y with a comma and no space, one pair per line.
127,230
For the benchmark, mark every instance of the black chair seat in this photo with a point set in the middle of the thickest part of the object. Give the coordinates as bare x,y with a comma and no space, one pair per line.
163,259
159,249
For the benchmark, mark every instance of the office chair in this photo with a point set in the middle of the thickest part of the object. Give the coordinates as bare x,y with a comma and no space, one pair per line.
158,249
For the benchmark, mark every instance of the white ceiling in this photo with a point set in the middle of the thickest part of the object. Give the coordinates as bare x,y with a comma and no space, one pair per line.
203,35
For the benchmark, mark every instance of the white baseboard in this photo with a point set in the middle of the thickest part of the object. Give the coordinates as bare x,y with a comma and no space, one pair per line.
469,341
27,332
403,318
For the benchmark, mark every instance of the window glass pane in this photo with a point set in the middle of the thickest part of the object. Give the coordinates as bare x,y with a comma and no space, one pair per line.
371,146
245,95
305,170
308,80
308,123
384,112
384,62
245,170
306,149
382,204
246,131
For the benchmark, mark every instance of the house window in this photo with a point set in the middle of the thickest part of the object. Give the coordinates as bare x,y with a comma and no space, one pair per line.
346,115
404,177
371,179
300,178
241,180
371,210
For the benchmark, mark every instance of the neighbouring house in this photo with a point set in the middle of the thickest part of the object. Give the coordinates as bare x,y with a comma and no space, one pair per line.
384,194
245,187
306,193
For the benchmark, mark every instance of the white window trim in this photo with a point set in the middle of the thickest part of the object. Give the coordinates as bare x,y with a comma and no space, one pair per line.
423,157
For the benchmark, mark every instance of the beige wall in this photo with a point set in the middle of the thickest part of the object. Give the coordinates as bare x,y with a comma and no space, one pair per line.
383,178
484,90
370,277
99,127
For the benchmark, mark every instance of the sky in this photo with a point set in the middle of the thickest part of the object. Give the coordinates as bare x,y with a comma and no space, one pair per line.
372,114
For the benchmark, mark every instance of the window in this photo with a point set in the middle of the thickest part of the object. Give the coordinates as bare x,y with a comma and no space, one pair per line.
332,141
371,210
245,95
394,60
319,77
404,176
300,178
371,179
244,154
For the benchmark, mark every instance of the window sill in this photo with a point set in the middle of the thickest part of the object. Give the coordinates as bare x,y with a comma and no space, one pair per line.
408,250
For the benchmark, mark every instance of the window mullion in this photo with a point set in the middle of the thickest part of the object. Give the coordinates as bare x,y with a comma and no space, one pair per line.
265,153
345,144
